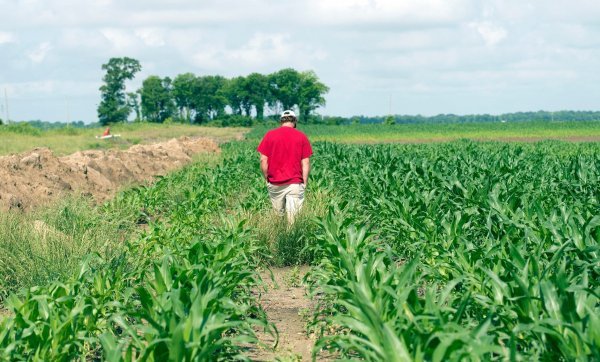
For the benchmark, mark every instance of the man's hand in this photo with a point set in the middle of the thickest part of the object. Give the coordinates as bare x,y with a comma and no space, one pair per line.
305,170
264,166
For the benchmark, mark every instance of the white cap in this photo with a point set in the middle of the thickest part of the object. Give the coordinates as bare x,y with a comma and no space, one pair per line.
288,113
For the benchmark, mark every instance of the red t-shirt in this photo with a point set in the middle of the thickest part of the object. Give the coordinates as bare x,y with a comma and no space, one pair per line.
285,147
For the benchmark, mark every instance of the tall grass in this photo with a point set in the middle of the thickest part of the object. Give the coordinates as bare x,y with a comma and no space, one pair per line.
288,244
49,244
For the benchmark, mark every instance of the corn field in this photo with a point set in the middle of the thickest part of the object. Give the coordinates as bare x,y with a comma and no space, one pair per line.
454,251
460,251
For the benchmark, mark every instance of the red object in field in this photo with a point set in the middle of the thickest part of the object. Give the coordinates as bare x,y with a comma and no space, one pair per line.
106,132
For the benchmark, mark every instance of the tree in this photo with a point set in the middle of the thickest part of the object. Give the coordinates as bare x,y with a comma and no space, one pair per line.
157,99
245,93
291,88
285,88
183,93
209,100
113,106
257,87
389,121
311,94
236,95
133,101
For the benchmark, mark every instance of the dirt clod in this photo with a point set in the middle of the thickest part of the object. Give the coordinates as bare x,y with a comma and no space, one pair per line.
32,160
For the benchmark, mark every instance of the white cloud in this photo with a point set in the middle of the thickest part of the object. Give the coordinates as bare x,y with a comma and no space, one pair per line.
82,38
6,37
50,88
38,54
30,89
208,58
272,48
262,51
491,34
401,13
153,37
120,39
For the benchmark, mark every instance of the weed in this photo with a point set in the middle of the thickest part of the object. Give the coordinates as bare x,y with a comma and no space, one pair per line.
290,357
292,278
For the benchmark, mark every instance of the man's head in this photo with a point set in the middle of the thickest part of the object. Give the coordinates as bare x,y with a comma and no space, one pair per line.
288,116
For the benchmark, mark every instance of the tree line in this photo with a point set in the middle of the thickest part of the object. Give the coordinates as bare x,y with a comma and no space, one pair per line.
200,99
543,116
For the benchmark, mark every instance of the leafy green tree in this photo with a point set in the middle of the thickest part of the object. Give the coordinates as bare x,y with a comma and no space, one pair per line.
246,93
209,100
290,88
285,88
235,92
157,100
257,88
311,94
389,121
113,106
133,101
184,86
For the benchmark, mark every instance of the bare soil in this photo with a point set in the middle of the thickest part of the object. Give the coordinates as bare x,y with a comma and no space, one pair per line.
36,177
285,302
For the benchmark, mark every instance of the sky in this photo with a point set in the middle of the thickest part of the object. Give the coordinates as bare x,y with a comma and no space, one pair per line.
377,56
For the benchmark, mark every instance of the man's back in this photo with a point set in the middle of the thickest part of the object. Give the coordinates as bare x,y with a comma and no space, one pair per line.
285,147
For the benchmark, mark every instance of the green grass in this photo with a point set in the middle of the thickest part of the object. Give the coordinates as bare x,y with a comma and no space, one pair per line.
49,244
68,140
420,133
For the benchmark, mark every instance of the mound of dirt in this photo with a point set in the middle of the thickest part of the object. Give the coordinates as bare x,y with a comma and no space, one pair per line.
36,177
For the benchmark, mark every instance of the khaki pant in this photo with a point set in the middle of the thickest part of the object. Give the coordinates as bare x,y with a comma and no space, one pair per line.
286,199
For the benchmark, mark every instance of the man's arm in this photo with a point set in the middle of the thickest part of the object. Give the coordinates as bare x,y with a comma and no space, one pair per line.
305,170
264,165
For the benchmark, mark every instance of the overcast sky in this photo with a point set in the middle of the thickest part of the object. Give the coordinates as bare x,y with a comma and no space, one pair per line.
413,56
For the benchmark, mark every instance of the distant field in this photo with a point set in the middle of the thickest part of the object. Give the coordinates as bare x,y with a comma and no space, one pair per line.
420,133
68,140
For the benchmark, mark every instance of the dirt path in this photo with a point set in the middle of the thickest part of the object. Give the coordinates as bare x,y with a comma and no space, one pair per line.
286,303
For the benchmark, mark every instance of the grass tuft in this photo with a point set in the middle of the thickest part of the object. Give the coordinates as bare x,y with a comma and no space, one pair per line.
49,244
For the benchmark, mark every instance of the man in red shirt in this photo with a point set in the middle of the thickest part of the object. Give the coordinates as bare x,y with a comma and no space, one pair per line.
285,163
